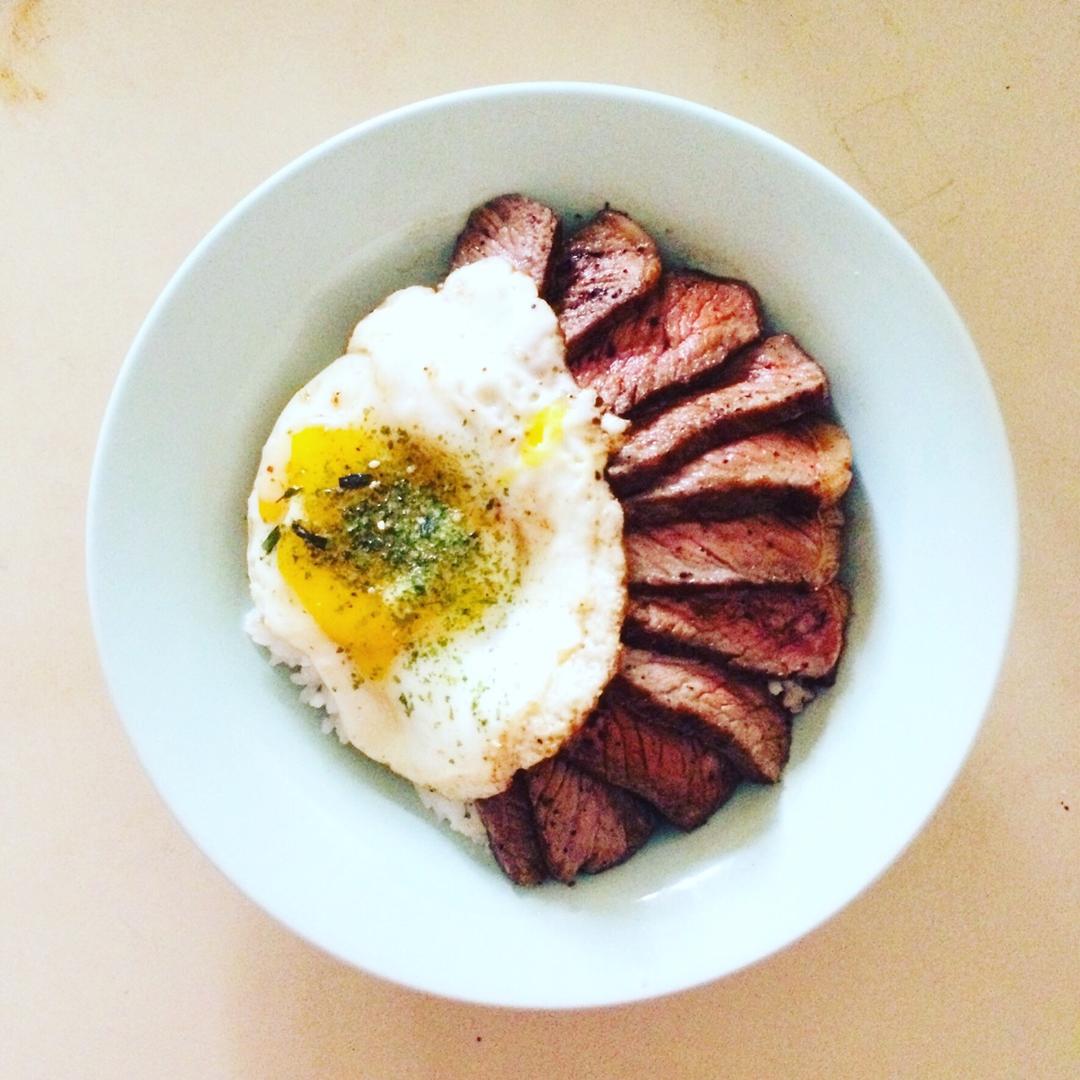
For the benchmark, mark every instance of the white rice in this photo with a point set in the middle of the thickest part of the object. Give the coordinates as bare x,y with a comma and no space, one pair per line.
794,695
462,817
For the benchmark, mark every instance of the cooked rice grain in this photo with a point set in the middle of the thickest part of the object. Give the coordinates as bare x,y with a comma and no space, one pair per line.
460,816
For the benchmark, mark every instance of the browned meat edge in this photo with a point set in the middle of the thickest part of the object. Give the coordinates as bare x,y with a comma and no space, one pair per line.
683,778
583,824
796,469
759,550
781,631
762,385
520,230
511,830
608,263
669,341
709,702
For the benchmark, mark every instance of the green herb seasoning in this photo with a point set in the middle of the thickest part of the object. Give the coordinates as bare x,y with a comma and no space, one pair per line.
401,544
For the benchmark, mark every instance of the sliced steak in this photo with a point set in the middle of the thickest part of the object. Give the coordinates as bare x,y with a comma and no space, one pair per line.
759,550
710,703
776,630
584,825
682,777
797,468
511,830
520,230
608,263
685,330
763,385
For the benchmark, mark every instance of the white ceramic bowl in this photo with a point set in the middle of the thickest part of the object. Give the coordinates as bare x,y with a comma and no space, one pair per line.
334,846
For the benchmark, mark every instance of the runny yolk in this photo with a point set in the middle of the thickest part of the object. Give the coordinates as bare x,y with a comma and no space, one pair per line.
358,622
543,434
272,510
403,552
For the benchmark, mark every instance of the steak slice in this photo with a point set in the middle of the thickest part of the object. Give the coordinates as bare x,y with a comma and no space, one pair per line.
685,330
511,830
583,824
608,263
762,385
682,777
710,703
797,468
776,630
520,230
759,550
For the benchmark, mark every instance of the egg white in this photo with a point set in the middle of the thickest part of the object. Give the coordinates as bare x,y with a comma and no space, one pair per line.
472,364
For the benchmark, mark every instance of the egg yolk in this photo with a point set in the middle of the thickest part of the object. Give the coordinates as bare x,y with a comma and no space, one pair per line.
543,434
397,543
272,510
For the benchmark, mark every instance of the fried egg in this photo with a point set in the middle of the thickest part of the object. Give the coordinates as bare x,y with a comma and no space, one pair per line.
429,530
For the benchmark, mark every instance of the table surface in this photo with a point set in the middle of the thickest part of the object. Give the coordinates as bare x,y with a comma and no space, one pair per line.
126,130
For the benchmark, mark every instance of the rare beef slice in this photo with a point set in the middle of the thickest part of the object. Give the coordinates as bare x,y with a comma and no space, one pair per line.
683,778
729,712
763,549
776,630
511,830
607,264
683,332
584,825
798,468
763,385
516,228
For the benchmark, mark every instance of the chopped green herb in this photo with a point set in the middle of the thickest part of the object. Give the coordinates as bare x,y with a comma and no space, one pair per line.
410,530
413,525
272,537
288,493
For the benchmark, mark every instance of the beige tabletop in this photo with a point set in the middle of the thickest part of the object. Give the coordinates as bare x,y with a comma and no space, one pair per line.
126,130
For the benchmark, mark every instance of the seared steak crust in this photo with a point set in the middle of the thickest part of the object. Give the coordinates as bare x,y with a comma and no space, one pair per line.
713,704
681,776
685,330
797,468
584,825
511,830
762,385
520,230
775,630
759,550
608,263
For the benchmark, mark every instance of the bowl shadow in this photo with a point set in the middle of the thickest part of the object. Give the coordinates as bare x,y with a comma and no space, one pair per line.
861,577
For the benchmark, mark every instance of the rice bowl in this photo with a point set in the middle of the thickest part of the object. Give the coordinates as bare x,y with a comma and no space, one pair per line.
343,854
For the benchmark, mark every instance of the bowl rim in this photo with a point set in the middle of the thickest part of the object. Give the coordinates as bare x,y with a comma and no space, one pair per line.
1009,538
